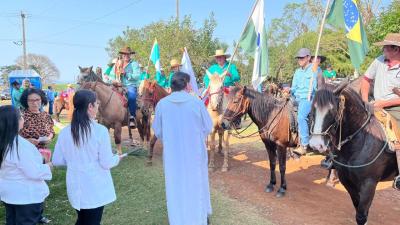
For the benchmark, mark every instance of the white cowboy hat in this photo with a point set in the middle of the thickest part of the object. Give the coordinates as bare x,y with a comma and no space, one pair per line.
221,52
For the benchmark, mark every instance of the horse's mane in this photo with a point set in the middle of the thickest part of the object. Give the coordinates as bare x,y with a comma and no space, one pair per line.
261,105
91,76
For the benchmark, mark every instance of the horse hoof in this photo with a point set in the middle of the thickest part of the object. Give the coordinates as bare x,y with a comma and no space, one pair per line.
269,188
281,193
224,169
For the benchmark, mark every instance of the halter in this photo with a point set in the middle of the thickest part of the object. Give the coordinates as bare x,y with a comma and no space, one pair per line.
93,88
153,99
339,122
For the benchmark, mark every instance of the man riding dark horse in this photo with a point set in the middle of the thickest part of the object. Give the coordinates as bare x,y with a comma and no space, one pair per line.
384,72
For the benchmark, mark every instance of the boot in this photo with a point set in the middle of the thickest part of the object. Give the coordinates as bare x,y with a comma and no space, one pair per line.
300,150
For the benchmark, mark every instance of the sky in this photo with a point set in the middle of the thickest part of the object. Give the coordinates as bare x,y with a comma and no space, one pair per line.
75,33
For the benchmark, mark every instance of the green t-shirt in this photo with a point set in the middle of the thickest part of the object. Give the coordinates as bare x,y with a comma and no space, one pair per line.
329,74
229,80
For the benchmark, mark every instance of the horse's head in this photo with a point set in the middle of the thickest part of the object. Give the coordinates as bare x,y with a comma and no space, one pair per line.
86,74
147,89
216,90
327,110
237,106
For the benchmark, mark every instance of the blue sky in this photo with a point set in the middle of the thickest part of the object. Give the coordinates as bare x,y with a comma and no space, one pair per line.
76,32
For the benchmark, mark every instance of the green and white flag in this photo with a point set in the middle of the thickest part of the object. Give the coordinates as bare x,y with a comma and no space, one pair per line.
254,42
155,57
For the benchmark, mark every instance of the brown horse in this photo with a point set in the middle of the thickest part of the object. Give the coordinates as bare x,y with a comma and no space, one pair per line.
216,106
112,112
150,94
61,102
271,116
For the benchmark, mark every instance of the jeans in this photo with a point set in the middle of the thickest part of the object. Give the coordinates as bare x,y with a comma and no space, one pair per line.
51,107
89,216
302,118
29,214
132,94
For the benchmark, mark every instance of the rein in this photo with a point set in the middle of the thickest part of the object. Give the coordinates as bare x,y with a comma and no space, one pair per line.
93,88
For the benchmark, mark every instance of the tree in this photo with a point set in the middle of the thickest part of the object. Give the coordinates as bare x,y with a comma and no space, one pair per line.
5,70
172,36
42,65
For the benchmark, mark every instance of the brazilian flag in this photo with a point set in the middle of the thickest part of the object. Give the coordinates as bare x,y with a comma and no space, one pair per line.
344,14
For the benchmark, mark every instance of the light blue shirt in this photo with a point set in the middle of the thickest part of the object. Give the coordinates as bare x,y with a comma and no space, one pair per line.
301,83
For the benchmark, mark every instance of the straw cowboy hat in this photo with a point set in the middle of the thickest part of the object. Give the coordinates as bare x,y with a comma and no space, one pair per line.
390,39
174,63
221,52
126,50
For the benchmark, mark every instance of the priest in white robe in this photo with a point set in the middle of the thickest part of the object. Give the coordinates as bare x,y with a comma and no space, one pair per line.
182,123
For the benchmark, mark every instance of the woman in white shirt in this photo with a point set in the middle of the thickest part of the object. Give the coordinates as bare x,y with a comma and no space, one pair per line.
85,148
22,173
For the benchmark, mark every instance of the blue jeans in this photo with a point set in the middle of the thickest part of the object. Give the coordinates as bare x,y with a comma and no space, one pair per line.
51,107
132,94
302,118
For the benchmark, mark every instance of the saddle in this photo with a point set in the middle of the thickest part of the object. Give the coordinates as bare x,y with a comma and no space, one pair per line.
390,126
121,92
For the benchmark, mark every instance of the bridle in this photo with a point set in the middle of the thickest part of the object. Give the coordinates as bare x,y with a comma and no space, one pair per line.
152,99
93,88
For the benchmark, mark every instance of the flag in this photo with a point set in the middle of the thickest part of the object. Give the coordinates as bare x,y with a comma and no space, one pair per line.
186,67
254,42
344,14
155,57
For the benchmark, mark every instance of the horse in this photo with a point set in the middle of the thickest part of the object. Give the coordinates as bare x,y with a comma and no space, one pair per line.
218,99
112,111
347,129
271,116
150,94
61,102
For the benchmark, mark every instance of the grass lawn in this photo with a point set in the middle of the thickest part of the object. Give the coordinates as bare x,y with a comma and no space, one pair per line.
140,199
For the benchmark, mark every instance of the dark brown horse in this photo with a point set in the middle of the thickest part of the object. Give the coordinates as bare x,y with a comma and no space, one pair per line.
272,119
112,112
356,143
150,94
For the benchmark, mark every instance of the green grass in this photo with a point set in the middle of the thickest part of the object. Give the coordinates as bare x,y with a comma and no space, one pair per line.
141,198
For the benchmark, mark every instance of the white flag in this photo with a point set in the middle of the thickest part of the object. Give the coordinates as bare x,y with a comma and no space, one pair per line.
187,68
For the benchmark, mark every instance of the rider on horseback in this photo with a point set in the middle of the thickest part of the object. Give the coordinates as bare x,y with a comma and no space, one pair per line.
130,78
385,73
304,85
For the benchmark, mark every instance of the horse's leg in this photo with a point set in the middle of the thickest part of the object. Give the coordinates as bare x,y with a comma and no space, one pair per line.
211,144
220,140
153,141
332,177
271,149
367,192
282,169
226,137
117,137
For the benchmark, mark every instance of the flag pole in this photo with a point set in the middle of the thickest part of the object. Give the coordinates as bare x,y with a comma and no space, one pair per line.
315,66
237,44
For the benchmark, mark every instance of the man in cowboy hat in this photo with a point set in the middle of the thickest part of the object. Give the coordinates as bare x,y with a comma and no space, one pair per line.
109,74
384,73
304,85
161,79
144,73
232,76
130,78
175,66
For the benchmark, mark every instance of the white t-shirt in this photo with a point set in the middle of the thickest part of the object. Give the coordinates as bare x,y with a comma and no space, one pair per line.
385,78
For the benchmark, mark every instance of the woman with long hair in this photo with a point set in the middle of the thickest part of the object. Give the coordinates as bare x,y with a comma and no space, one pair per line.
85,148
22,173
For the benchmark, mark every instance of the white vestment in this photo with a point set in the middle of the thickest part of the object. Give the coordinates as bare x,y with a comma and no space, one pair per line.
182,123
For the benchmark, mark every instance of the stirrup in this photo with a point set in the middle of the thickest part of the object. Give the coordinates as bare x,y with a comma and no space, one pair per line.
396,183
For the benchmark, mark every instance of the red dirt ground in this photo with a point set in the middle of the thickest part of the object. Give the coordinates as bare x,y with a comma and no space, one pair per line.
308,200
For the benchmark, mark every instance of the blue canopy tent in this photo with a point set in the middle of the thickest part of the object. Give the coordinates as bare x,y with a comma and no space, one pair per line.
20,75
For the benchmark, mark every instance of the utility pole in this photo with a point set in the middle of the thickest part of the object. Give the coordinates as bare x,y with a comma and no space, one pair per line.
23,40
177,10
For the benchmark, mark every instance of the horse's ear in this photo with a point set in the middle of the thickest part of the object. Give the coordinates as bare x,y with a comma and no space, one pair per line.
90,69
340,87
80,68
